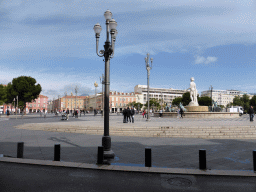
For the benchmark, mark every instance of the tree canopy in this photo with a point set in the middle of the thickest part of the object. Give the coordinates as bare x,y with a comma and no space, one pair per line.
25,88
152,102
205,101
3,94
186,99
176,101
243,101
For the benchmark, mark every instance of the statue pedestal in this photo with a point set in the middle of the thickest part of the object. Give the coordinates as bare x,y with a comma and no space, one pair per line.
193,103
197,108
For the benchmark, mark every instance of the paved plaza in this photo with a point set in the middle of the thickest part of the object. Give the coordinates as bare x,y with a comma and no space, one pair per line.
171,152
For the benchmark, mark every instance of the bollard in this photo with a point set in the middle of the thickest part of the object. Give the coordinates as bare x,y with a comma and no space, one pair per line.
148,157
202,159
20,149
57,152
254,160
100,155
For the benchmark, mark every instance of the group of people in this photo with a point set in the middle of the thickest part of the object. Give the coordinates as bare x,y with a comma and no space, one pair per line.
128,115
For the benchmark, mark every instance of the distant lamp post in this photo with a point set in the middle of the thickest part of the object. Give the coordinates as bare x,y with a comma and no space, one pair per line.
102,85
211,88
107,53
95,85
76,90
148,67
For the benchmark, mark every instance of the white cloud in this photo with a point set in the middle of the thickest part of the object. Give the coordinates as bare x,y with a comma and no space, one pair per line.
203,60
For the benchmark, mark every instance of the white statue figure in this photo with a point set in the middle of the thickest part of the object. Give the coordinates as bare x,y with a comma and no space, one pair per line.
193,93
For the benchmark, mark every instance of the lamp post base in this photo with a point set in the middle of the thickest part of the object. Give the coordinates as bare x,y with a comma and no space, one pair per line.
106,143
148,119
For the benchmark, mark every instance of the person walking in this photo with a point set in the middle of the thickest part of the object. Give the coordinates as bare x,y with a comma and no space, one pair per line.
132,114
125,114
251,113
160,113
129,115
144,113
178,114
181,113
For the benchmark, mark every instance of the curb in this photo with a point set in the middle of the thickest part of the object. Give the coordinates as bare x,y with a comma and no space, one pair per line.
235,173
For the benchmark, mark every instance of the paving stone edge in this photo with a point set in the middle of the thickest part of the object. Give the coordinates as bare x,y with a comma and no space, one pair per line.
240,173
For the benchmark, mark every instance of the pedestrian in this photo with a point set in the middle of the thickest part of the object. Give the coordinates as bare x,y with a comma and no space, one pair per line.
144,112
160,113
129,115
178,113
132,114
8,112
251,113
181,113
125,114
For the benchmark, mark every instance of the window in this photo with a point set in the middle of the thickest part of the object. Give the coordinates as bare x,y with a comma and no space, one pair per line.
38,105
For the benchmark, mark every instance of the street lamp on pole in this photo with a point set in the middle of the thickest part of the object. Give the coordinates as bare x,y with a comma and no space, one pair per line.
107,53
211,88
102,85
95,85
148,67
76,89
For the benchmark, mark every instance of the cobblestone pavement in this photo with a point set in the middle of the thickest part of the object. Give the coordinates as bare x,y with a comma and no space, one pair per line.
166,152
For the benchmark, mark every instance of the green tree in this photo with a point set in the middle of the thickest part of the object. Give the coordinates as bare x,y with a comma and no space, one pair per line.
186,99
136,105
237,101
153,101
205,101
25,88
3,94
246,102
253,102
177,101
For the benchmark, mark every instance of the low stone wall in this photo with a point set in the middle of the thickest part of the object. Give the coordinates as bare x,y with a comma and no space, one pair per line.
199,114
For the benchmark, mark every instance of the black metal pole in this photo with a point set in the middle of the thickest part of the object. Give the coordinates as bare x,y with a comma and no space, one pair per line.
254,160
106,139
20,149
57,152
202,159
148,157
100,156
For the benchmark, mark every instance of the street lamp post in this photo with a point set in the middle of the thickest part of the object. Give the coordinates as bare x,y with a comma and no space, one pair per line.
107,53
148,67
102,85
76,89
211,96
95,85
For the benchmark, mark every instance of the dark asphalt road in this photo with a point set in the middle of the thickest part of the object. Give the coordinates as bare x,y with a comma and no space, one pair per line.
34,178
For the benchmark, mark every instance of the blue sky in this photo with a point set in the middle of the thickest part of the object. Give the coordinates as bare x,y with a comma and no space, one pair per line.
53,41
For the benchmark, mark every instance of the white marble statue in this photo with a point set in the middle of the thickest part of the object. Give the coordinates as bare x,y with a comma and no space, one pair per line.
193,93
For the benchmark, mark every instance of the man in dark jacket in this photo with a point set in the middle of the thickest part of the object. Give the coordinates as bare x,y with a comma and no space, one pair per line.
251,113
125,114
181,112
132,114
129,114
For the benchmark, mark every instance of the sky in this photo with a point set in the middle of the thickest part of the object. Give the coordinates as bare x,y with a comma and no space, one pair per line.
54,42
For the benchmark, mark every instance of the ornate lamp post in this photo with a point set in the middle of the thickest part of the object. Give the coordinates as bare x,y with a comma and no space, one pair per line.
102,85
148,67
95,85
76,90
107,53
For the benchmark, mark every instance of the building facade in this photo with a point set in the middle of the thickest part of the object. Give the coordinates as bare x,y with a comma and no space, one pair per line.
164,96
68,102
38,105
224,97
117,101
